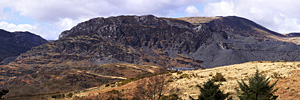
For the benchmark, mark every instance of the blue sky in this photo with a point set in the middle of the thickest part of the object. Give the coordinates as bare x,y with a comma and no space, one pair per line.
48,18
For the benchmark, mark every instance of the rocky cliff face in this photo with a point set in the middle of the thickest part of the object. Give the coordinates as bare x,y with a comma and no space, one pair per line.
167,42
127,39
15,43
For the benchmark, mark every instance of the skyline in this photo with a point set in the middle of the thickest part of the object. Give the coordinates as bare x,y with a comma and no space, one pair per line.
49,18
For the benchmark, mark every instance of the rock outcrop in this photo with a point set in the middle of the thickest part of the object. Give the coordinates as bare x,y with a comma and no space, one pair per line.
126,39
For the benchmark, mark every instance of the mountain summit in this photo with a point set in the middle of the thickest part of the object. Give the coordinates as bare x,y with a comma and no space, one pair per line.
215,41
127,39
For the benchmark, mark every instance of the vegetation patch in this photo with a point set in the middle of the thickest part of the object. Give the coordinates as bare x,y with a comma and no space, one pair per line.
219,77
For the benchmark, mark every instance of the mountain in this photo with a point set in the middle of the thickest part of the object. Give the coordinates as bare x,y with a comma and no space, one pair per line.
293,35
151,40
104,50
236,25
124,39
13,44
242,41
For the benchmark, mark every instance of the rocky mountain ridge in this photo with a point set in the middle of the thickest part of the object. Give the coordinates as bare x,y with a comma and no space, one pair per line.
160,41
13,44
126,39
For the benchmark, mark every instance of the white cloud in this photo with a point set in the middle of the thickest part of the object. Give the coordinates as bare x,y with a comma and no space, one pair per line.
13,27
55,16
66,23
220,8
54,10
278,15
64,14
192,11
43,31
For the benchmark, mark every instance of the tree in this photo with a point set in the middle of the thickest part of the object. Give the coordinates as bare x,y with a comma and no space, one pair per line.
258,88
150,88
210,91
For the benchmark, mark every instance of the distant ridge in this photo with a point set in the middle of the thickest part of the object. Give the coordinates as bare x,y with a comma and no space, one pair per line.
13,44
293,35
234,24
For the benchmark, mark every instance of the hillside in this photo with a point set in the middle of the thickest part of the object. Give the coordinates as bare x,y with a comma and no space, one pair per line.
242,40
62,78
13,44
236,25
184,84
286,72
105,50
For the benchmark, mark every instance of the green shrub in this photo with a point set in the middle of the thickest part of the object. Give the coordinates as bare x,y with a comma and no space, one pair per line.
69,95
219,77
114,92
210,91
170,80
184,76
179,72
276,75
258,88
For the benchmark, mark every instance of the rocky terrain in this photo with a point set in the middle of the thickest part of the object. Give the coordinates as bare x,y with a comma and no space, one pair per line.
13,44
104,50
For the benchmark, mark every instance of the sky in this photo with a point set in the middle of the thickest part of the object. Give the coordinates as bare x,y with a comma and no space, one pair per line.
48,18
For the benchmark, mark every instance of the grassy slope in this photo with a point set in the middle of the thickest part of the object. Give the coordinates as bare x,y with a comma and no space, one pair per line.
233,73
69,79
288,84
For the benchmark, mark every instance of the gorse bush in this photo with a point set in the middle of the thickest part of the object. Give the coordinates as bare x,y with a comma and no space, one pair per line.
184,76
219,77
276,75
258,88
179,72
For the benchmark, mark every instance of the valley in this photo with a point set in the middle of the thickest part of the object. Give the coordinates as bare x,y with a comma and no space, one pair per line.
108,57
